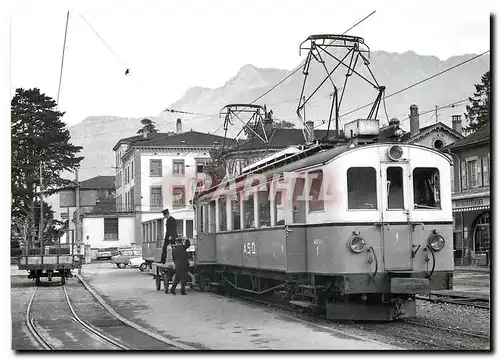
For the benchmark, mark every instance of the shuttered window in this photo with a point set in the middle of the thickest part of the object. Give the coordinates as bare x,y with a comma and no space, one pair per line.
155,197
465,184
178,167
486,170
110,228
155,167
179,196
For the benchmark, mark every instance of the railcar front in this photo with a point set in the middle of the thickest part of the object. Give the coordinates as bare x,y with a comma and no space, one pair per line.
382,234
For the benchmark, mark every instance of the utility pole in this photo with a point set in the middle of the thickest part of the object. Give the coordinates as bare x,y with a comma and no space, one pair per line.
436,114
77,198
40,229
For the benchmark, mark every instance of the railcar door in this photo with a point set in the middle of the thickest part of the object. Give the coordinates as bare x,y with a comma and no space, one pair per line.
395,202
205,228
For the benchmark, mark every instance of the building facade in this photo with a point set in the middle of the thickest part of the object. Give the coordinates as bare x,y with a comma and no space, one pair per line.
155,171
471,196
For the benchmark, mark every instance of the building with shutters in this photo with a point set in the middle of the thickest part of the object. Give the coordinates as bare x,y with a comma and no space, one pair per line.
155,171
471,196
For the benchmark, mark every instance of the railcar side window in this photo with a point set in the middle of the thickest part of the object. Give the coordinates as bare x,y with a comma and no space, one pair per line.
316,180
248,212
201,219
426,189
298,201
279,209
222,214
362,188
264,207
235,211
211,216
395,199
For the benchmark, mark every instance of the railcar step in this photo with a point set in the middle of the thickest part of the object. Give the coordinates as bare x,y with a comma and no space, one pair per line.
307,286
305,304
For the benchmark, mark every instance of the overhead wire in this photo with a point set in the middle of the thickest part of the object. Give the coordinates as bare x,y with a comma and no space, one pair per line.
418,82
62,58
103,41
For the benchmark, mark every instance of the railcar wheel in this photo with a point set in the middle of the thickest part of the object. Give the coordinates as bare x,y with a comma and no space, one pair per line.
158,282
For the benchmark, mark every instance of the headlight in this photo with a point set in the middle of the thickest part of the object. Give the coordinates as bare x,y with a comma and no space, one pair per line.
356,243
395,152
436,242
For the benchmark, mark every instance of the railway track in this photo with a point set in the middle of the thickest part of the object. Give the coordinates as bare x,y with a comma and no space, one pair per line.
39,332
103,330
457,300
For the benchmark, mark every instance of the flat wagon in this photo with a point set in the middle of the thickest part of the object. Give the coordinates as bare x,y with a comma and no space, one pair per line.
54,262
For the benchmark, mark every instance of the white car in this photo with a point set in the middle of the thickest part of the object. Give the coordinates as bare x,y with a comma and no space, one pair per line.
138,262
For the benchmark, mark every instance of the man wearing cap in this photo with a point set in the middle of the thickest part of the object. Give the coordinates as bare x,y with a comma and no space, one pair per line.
170,233
181,261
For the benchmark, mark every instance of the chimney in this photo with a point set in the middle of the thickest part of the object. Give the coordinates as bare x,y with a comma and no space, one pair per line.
456,123
310,131
179,126
414,120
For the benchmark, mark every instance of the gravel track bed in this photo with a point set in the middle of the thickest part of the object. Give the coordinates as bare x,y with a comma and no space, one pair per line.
414,337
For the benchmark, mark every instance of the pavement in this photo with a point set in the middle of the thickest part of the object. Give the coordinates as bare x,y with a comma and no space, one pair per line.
471,282
210,321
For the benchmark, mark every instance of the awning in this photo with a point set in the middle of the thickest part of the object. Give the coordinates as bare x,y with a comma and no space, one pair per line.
472,208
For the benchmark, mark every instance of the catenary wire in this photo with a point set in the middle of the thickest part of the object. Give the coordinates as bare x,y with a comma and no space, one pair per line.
419,82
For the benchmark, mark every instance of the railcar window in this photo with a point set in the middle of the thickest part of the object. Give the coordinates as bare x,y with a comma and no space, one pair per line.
298,201
206,221
222,214
361,188
426,189
316,180
159,235
248,212
395,199
201,219
235,211
211,226
180,228
264,207
279,208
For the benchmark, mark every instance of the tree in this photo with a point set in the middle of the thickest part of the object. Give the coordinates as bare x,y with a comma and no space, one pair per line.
478,113
147,125
38,137
216,167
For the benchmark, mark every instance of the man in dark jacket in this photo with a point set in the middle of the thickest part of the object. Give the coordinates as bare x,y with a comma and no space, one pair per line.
181,261
170,233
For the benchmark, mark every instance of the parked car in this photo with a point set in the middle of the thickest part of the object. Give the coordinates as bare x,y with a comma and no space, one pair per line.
123,258
138,262
103,254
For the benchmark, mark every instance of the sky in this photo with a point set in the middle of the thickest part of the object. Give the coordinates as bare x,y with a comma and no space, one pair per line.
171,46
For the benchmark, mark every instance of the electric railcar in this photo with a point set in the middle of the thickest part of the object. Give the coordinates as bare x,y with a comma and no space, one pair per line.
354,231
